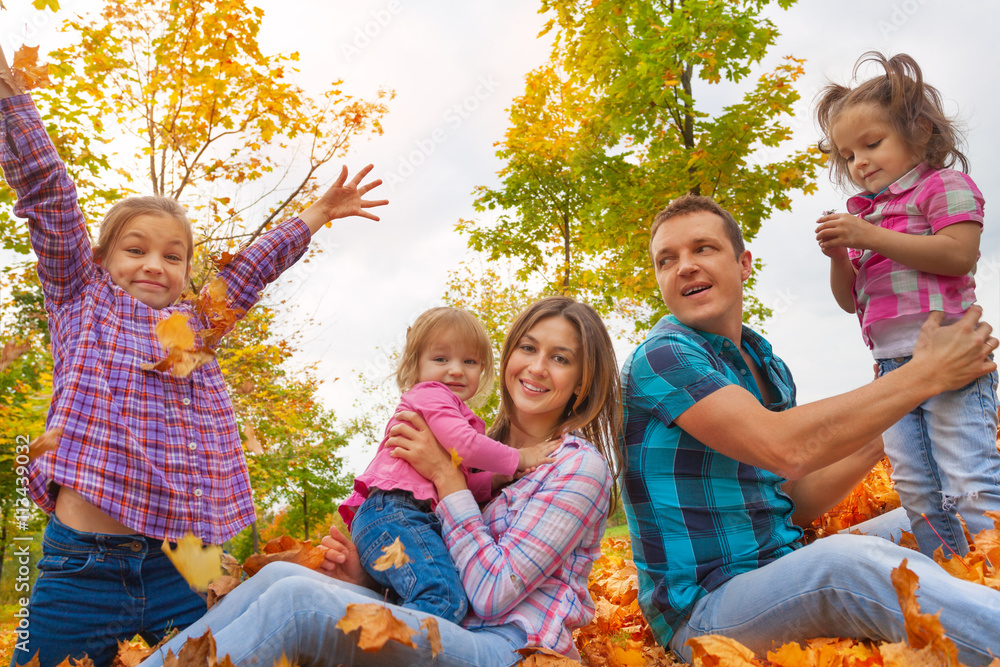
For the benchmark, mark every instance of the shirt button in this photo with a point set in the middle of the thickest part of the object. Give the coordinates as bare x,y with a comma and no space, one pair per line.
186,401
197,493
725,343
743,371
192,446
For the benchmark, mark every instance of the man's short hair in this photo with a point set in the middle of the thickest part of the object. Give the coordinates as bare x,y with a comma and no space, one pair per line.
688,204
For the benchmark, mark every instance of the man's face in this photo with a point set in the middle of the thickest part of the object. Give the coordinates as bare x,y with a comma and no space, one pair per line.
700,277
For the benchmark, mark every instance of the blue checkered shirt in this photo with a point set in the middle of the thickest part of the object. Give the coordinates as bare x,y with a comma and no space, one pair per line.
697,518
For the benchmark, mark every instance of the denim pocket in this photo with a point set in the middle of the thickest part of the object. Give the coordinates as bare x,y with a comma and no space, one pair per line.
69,564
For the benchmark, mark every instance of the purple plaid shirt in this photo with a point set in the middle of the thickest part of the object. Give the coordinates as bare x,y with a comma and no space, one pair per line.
526,558
161,454
924,201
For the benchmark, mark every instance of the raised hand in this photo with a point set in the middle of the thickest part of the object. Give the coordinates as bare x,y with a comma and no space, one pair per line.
344,199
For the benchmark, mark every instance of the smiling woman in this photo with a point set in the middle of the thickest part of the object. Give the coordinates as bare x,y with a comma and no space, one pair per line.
523,560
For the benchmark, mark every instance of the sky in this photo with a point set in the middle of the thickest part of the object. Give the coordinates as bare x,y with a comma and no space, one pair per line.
455,67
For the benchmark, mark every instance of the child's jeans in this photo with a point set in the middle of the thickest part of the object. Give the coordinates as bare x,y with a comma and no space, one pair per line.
95,589
430,581
945,461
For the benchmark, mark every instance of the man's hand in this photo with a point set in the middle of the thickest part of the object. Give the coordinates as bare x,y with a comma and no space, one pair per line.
956,354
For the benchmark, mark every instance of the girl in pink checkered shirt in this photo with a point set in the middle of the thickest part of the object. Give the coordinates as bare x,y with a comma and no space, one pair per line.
143,456
908,246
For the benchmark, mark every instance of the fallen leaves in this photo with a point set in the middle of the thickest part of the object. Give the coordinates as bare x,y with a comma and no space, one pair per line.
378,626
199,564
393,556
287,549
197,652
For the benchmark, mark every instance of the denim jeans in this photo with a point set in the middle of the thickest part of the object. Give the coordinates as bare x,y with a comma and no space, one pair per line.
430,581
94,590
945,461
288,609
840,586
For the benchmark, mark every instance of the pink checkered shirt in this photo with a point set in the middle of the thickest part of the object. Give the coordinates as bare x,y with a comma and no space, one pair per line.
527,557
161,454
924,201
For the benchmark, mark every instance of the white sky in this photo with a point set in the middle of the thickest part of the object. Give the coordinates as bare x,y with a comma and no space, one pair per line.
455,67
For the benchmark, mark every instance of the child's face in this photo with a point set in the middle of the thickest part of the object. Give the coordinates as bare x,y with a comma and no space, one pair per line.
448,360
876,155
149,260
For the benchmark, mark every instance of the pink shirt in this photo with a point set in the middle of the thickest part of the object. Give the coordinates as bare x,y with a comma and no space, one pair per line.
457,428
924,201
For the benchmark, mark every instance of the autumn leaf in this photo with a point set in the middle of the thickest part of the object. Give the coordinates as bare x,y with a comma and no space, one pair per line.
922,630
213,306
221,587
286,549
178,340
456,460
28,72
283,662
76,662
393,556
197,652
539,656
199,564
430,624
251,444
378,626
46,442
988,541
223,260
712,650
131,654
11,351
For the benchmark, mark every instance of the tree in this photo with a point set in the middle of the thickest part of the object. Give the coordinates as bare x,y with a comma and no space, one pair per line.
610,131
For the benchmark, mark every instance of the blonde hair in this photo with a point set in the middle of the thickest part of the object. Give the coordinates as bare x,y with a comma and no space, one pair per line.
116,221
435,322
913,109
596,411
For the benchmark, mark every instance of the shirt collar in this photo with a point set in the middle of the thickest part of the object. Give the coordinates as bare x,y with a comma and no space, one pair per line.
757,343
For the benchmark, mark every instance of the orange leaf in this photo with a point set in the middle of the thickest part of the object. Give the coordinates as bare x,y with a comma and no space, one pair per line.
921,629
393,556
286,549
378,626
222,260
712,650
988,540
456,460
174,332
433,634
539,656
251,444
46,442
28,72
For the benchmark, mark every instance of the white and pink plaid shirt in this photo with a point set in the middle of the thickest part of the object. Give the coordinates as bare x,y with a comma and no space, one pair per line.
527,557
161,454
924,201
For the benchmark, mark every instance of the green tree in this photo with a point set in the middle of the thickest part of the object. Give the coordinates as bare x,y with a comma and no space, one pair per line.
610,131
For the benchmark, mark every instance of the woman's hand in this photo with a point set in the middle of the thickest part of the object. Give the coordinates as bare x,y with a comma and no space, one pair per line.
414,442
342,560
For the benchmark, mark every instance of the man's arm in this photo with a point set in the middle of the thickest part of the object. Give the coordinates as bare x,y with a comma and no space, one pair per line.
815,493
810,437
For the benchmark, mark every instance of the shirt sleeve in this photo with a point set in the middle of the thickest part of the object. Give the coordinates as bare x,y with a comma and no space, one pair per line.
546,528
47,198
254,268
452,424
950,197
670,373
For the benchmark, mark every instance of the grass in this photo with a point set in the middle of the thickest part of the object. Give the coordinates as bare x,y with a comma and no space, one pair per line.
618,532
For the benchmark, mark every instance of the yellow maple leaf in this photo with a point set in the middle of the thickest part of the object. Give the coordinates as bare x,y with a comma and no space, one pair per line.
456,460
199,564
174,332
718,650
378,626
393,556
28,72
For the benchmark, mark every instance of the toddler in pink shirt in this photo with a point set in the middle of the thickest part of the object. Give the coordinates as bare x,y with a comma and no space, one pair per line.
447,361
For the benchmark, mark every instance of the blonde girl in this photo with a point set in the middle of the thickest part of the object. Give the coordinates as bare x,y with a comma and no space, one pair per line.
447,362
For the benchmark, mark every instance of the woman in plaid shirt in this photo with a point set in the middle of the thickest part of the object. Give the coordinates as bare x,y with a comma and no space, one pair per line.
524,560
143,456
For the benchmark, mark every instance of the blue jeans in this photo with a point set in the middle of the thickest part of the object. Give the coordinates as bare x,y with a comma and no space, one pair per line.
945,462
288,609
430,581
94,590
840,586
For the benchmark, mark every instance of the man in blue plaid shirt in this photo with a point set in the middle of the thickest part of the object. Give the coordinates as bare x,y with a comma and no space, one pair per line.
722,468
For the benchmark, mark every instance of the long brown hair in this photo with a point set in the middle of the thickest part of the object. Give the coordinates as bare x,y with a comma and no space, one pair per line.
913,109
596,411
